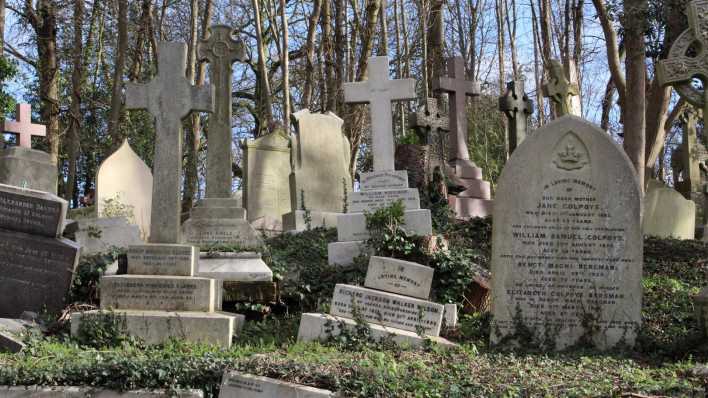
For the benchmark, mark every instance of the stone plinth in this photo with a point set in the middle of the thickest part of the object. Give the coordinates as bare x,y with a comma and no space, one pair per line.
163,259
219,222
29,168
164,293
474,199
377,180
370,201
352,226
243,385
234,267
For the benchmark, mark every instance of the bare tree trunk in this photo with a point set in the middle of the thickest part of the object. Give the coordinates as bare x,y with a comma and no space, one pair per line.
510,17
2,30
634,110
436,40
116,101
334,91
75,117
499,9
265,112
537,66
383,36
284,64
310,54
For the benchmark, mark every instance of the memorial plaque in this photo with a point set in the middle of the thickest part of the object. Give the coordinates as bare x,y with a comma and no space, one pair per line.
32,212
387,309
163,293
372,200
242,385
567,248
35,272
383,180
398,276
214,232
163,259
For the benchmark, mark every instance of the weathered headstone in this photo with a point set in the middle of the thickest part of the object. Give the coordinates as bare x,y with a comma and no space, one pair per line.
124,188
243,385
560,89
475,198
99,235
517,107
667,214
320,155
21,165
36,266
421,160
567,249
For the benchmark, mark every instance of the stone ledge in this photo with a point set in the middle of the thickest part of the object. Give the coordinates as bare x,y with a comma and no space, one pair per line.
162,259
245,268
162,293
352,226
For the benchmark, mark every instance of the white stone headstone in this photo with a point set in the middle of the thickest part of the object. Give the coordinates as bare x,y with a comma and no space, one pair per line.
667,214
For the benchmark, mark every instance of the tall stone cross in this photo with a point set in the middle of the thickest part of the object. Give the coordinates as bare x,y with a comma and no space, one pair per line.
169,97
458,88
517,107
221,50
379,92
23,127
559,88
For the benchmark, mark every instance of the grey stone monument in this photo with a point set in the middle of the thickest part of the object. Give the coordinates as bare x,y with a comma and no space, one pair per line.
560,89
517,107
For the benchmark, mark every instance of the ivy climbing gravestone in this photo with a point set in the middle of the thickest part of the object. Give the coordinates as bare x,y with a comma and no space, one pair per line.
567,248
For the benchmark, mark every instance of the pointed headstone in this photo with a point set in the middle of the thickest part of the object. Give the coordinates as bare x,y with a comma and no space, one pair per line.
169,97
23,126
379,91
559,88
517,107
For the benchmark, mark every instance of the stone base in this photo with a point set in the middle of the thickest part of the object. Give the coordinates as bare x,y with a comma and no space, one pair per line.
295,221
221,232
217,208
244,385
28,168
314,327
234,267
163,293
352,226
476,189
99,235
344,253
157,327
465,168
251,292
466,208
91,392
268,225
376,180
163,259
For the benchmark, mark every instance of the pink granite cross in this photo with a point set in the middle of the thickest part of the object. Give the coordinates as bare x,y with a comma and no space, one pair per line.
23,126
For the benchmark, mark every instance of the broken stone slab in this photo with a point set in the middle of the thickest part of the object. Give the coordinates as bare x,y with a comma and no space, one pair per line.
11,331
163,259
387,309
165,293
157,327
244,385
372,200
234,267
387,179
344,253
32,212
667,214
399,276
320,327
352,226
90,392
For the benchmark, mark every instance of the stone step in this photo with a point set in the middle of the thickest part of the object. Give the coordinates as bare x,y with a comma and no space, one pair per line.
399,276
352,226
371,200
220,231
465,168
320,327
234,267
466,208
163,259
476,189
162,293
387,309
243,385
389,179
157,327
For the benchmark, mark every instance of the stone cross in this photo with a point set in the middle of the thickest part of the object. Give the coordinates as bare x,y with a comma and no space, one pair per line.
169,97
559,89
379,92
690,156
221,50
23,127
518,107
430,117
458,88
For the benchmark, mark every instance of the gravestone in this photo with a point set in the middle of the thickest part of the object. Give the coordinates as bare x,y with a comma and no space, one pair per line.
701,304
517,107
474,199
161,297
243,385
384,185
394,299
124,188
567,249
36,265
320,156
100,235
667,214
21,165
266,163
432,125
561,90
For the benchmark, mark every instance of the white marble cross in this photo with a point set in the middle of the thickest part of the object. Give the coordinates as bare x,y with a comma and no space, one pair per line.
169,97
23,127
458,88
379,92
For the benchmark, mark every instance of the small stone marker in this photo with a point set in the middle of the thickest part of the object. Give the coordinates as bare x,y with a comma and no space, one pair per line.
379,92
23,126
667,214
559,89
517,107
32,212
399,276
243,385
100,235
567,249
169,97
434,125
176,260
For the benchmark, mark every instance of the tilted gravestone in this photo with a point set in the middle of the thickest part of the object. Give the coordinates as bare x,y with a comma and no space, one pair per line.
517,107
567,248
667,214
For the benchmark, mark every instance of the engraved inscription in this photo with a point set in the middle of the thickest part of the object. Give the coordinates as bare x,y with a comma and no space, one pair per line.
29,214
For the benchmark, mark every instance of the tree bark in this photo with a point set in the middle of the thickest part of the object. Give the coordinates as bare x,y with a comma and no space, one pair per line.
75,118
265,113
116,100
635,12
2,28
193,134
285,66
310,54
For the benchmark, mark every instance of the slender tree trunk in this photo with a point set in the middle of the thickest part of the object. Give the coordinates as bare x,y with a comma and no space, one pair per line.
340,48
116,100
328,56
635,12
76,117
266,105
285,66
193,134
436,41
310,54
383,36
2,30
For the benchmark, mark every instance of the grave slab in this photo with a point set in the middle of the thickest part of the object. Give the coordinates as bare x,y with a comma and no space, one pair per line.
32,212
386,179
157,327
90,392
667,214
352,226
344,253
29,168
221,231
399,276
244,385
387,309
99,235
163,259
296,220
450,315
165,293
371,201
234,267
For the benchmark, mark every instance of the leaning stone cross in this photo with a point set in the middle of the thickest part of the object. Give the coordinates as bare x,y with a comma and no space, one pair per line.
379,92
458,88
559,88
221,50
23,127
518,107
169,97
